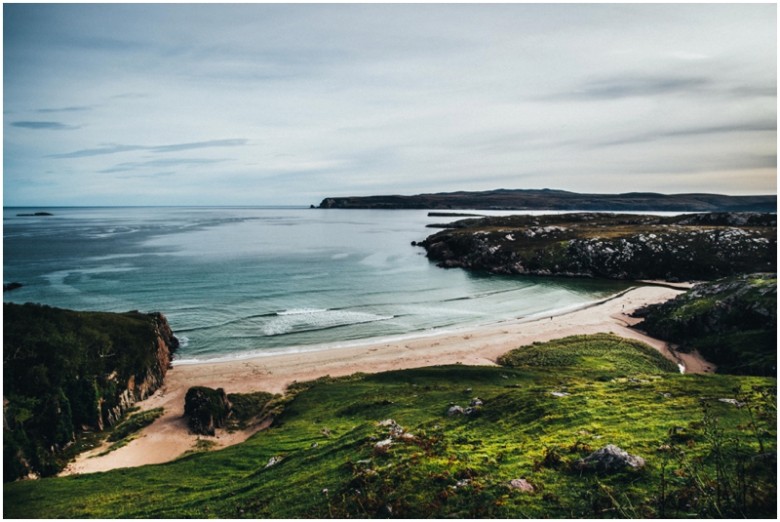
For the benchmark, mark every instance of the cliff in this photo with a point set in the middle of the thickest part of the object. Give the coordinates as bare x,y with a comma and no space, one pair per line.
615,246
731,322
67,373
547,199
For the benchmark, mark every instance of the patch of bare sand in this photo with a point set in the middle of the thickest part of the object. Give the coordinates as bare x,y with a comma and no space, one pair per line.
168,437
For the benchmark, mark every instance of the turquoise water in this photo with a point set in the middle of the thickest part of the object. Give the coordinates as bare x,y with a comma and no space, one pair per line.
240,281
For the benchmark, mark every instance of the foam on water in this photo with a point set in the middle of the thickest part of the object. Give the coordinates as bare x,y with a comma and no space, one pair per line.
303,320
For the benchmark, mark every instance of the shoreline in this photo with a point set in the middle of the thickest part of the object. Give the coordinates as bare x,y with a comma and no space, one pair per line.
168,438
304,349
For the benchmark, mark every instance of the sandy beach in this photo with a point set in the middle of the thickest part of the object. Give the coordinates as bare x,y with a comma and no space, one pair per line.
168,437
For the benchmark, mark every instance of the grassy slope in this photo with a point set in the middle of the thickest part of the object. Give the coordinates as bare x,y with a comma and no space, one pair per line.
461,465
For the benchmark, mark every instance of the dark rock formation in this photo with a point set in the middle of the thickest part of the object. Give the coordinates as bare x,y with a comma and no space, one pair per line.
547,199
7,287
35,214
206,409
610,459
615,246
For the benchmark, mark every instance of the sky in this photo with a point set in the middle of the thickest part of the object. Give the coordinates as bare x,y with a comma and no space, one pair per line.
286,104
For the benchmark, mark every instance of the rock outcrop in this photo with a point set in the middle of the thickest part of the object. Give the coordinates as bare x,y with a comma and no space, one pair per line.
610,459
686,247
206,409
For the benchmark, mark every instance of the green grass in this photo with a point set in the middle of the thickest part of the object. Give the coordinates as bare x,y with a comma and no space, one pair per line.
461,465
590,353
133,423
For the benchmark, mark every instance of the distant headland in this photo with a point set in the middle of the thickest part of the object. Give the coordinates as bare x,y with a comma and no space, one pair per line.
549,199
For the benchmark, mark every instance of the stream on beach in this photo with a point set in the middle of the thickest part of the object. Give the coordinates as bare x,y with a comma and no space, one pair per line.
236,282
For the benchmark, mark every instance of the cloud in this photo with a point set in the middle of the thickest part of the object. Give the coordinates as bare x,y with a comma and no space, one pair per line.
117,148
168,162
42,125
757,126
629,87
81,108
199,145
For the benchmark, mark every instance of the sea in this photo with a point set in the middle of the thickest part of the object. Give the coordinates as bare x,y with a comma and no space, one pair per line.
241,282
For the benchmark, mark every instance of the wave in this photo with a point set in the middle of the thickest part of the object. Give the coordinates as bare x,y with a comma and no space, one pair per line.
301,311
305,320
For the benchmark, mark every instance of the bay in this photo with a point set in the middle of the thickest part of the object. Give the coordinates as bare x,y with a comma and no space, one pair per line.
235,282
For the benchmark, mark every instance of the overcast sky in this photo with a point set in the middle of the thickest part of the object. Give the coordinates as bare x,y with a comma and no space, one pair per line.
287,104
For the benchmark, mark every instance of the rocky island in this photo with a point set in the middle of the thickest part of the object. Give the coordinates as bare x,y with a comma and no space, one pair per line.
614,246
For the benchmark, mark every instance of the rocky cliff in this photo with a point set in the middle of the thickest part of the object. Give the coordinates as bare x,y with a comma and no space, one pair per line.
67,373
615,246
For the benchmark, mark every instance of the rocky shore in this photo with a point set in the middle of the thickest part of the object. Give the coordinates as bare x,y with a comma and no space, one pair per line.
614,246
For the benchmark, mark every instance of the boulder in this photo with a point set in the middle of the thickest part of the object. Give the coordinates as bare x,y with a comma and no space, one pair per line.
206,409
610,459
522,485
455,410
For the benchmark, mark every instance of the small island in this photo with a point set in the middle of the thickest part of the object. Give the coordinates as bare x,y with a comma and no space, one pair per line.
35,214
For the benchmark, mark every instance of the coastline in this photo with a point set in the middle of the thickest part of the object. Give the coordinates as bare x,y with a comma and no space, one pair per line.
169,438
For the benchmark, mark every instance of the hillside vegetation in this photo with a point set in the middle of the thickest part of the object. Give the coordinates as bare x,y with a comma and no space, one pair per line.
732,322
614,246
461,441
67,373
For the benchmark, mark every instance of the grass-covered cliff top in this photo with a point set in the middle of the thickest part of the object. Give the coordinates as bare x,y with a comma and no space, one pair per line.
395,445
618,246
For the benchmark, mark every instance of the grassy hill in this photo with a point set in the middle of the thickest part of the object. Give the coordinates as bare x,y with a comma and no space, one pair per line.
394,445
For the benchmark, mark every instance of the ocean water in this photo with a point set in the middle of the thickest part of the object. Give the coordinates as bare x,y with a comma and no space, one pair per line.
235,282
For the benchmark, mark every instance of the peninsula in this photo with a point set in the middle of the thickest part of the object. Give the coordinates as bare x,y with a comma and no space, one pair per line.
549,199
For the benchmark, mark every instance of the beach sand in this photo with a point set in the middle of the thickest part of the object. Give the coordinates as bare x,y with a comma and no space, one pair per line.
168,437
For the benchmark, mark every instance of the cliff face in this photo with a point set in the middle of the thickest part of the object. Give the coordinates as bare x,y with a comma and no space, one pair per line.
66,373
687,247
